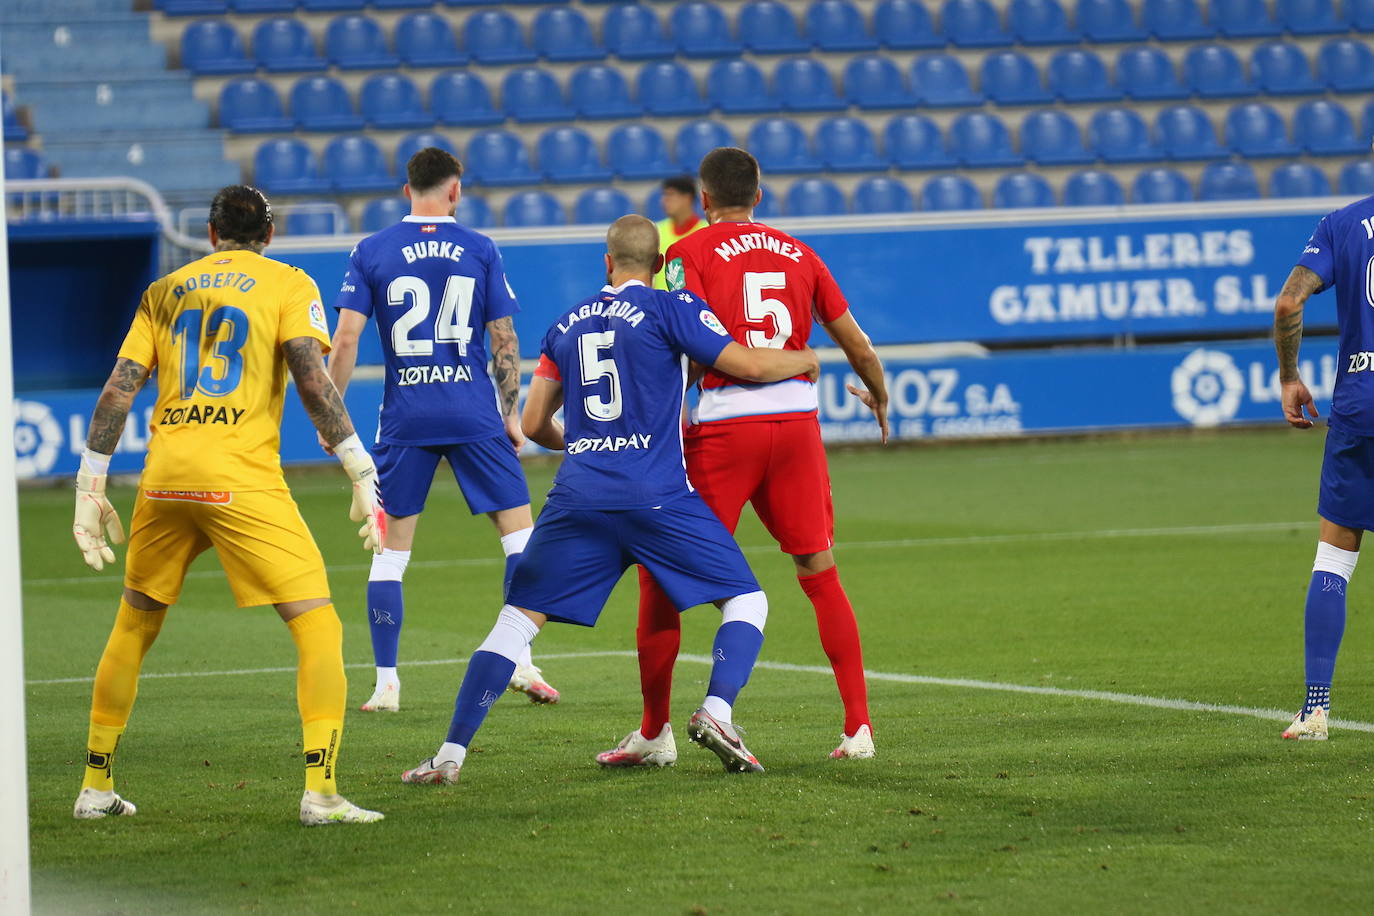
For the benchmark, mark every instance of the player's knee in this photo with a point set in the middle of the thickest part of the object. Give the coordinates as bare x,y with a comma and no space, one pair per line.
751,609
389,566
809,564
1332,559
141,602
513,632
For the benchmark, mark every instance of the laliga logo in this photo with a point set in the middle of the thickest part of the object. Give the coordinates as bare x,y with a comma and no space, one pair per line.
37,439
1207,388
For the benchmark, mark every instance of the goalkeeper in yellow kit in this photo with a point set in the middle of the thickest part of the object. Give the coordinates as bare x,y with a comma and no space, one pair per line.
222,333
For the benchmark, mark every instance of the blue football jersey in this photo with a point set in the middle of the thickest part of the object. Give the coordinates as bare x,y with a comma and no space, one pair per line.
622,357
432,285
1341,253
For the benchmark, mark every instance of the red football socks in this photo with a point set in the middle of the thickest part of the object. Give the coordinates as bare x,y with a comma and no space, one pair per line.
840,640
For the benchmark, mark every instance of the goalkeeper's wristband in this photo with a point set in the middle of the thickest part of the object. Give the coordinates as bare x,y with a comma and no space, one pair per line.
96,464
354,458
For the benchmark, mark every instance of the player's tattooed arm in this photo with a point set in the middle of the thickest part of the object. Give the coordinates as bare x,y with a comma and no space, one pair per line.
321,399
112,409
1300,285
505,362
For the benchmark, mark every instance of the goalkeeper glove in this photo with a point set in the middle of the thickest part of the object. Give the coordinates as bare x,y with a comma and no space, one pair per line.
367,498
95,518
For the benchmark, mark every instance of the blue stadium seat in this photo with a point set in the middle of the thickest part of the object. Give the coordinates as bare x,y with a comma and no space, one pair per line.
401,4
950,192
1256,130
1081,76
653,205
874,83
802,84
632,31
837,25
461,99
1360,14
1325,129
738,86
213,46
1176,20
1357,178
427,40
1184,133
354,163
1041,22
815,197
534,208
284,45
1346,66
1120,135
601,206
263,6
413,143
568,154
1280,68
497,157
1228,181
322,103
701,30
973,24
883,195
697,138
940,81
1298,179
846,144
249,105
1022,189
1215,72
531,94
474,212
1160,186
1011,78
913,141
23,163
192,7
599,91
1148,74
1107,20
1309,17
780,145
384,212
563,34
767,207
1367,122
904,25
1050,137
667,88
1092,188
1243,19
330,6
637,151
316,219
494,37
390,101
287,167
14,129
357,43
980,140
768,27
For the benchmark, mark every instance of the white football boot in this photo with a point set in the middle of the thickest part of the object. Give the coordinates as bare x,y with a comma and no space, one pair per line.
1311,727
323,810
386,698
858,746
429,773
92,804
529,680
724,741
638,751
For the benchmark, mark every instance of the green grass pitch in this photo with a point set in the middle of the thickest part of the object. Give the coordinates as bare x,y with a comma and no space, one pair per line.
1171,567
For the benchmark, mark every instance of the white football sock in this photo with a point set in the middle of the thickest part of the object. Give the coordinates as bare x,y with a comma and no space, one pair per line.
718,709
525,660
387,677
450,751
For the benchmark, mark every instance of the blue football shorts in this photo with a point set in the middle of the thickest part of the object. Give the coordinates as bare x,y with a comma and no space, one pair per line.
575,557
1347,488
488,472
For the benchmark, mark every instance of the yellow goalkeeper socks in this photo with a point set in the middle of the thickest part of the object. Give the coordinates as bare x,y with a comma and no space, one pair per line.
321,692
116,686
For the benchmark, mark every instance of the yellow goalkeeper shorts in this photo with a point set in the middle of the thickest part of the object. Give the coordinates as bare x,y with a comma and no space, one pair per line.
263,544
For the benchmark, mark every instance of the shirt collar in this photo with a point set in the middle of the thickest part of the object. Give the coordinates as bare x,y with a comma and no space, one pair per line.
428,219
622,287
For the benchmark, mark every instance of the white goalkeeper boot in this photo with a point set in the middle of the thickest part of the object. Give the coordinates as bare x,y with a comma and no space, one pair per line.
92,804
323,810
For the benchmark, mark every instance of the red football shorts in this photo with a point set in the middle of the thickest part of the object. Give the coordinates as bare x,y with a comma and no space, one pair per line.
778,465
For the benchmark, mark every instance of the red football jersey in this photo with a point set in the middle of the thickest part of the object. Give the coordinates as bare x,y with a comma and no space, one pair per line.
764,286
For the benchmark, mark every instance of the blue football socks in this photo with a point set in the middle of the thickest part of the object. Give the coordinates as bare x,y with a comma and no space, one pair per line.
486,679
1324,627
735,651
385,610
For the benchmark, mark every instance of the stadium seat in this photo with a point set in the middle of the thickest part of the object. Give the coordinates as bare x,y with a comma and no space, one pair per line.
846,144
1107,20
1175,20
1360,14
837,25
1051,137
1346,66
701,30
212,46
1160,186
1256,130
357,43
973,24
950,192
563,34
1309,17
263,6
413,143
354,163
384,212
401,4
249,105
460,99
802,84
1080,76
390,101
322,103
192,7
1357,178
1325,129
534,208
1184,132
1243,18
1091,188
1228,181
568,154
1022,189
330,6
1298,179
494,37
601,206
427,40
637,151
780,145
24,163
497,157
768,27
667,88
768,207
913,142
474,212
287,167
1041,22
1280,68
940,81
737,86
599,91
284,45
632,31
883,195
1010,78
653,205
1120,135
1367,122
1215,72
531,94
697,138
1147,74
316,219
815,197
874,83
980,140
904,25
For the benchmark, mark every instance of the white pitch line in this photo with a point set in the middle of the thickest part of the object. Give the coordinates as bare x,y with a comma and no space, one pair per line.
1107,696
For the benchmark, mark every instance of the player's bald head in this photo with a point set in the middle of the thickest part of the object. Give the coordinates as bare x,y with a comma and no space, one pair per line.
632,243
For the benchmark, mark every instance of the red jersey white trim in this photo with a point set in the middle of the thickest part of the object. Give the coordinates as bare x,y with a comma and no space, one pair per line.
729,402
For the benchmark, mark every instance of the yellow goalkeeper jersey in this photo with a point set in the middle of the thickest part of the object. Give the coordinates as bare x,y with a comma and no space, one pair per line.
214,330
